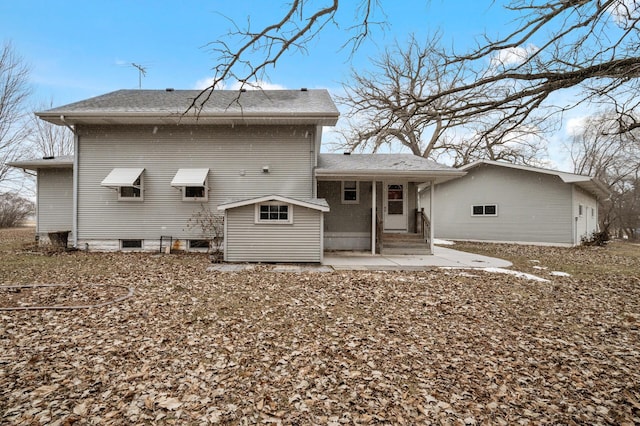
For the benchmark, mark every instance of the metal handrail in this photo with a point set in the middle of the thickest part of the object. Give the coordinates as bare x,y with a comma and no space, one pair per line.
378,234
424,224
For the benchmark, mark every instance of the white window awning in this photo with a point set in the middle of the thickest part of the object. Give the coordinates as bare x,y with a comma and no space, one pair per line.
190,177
122,176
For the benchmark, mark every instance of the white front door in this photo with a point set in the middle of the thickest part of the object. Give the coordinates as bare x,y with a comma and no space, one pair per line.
395,206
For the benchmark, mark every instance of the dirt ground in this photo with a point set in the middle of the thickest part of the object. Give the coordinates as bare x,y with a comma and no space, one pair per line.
430,347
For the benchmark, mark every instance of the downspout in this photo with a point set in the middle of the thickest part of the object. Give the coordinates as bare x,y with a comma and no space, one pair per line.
74,220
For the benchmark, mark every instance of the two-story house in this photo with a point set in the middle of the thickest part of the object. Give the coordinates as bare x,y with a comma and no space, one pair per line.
144,164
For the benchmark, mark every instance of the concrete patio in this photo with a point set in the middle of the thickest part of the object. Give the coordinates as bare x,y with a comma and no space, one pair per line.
364,261
442,258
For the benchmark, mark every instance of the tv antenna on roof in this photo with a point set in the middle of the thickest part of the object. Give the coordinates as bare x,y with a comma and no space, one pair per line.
142,71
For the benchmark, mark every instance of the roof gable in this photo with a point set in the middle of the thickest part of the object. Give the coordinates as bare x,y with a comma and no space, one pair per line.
311,203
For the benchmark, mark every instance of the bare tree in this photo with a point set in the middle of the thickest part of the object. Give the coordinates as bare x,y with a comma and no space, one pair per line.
588,45
47,139
600,150
14,91
383,110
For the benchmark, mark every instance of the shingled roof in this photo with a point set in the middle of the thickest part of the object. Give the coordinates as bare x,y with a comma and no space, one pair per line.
222,107
370,166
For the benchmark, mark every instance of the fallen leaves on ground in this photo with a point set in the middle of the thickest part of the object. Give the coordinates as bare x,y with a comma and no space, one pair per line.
197,347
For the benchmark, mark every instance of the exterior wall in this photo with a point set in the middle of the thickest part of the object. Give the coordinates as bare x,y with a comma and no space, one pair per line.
348,226
532,207
234,155
54,201
587,223
248,241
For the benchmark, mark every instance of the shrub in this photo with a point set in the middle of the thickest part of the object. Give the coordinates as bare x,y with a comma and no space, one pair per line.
595,239
14,210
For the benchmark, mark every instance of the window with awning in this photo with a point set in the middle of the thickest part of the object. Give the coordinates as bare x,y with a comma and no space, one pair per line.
193,183
127,181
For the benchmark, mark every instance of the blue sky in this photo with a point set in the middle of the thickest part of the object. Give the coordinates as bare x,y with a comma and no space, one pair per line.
78,49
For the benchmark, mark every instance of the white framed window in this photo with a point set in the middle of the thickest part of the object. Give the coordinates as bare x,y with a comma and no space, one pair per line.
193,183
131,193
484,210
580,209
128,183
195,193
350,192
274,213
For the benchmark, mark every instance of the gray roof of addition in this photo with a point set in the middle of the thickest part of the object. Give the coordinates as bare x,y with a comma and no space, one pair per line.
221,107
588,183
61,162
370,166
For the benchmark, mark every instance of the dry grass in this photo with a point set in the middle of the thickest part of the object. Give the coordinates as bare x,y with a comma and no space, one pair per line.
441,347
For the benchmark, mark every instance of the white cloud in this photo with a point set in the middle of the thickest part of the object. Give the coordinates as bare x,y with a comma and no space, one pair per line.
624,12
513,56
260,85
575,125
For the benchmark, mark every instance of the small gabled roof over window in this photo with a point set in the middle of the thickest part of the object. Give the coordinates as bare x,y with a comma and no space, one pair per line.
190,177
319,204
122,176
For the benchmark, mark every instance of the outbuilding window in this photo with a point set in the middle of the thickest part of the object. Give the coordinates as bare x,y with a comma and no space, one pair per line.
274,212
484,210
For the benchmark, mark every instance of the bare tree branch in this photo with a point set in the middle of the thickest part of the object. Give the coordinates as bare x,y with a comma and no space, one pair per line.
47,139
257,51
14,91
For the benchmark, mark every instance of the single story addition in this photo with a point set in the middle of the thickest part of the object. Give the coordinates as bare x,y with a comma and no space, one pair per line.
503,202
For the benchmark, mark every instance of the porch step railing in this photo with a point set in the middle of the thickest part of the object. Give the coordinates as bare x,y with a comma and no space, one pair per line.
423,225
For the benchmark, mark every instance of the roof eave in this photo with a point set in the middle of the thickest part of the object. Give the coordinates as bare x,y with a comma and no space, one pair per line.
41,164
437,176
62,118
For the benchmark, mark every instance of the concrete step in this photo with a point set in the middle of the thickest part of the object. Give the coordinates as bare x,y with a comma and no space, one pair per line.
407,243
401,236
404,250
403,244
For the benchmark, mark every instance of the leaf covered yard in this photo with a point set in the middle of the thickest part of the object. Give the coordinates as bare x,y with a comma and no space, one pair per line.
356,347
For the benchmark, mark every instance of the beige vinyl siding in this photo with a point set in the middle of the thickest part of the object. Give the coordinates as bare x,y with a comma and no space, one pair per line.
54,200
234,155
532,207
248,241
346,217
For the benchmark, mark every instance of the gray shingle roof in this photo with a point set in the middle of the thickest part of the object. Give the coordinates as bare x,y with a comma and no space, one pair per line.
63,161
379,162
588,183
383,166
128,104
